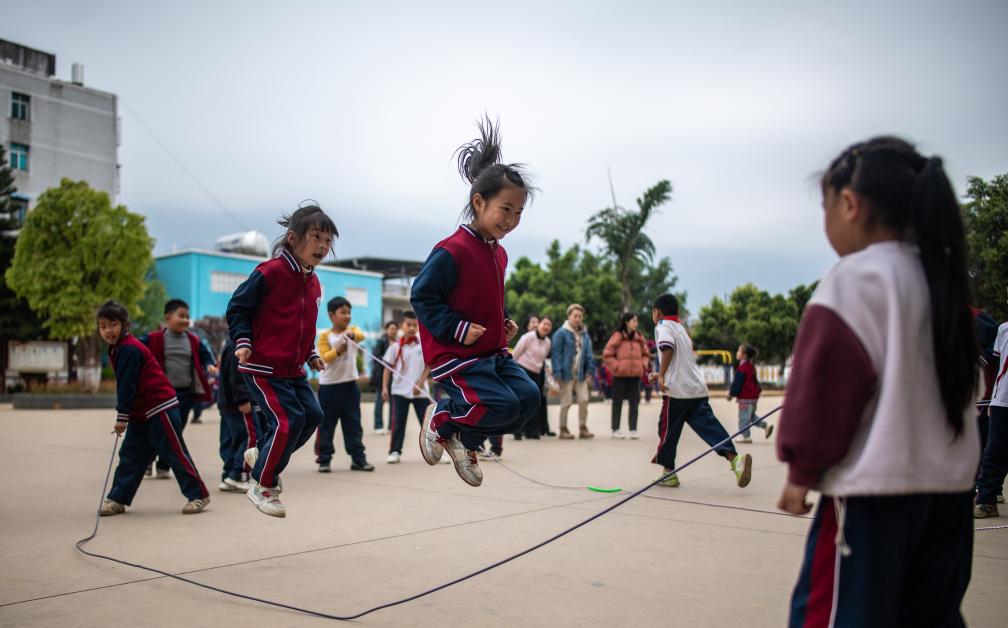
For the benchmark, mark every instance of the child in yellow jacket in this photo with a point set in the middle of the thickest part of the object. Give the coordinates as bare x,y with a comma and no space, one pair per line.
338,391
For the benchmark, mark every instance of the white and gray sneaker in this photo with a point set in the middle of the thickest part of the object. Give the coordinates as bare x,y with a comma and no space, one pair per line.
267,500
465,461
251,455
430,443
234,486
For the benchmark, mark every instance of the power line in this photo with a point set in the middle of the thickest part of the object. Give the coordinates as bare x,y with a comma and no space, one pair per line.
183,168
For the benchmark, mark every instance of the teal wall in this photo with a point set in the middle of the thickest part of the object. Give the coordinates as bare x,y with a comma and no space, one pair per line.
187,276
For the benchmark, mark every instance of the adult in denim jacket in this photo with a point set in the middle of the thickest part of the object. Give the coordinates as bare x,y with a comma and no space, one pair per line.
573,368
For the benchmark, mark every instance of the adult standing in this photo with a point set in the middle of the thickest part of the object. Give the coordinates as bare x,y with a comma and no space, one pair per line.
378,371
530,353
573,367
626,356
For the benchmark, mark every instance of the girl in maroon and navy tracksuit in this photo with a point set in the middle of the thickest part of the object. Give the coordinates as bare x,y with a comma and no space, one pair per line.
272,318
147,404
458,298
878,412
746,388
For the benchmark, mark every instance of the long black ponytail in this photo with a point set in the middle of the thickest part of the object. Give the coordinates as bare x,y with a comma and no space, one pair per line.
911,194
481,165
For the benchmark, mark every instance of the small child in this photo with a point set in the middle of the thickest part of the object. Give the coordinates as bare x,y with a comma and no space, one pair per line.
404,356
877,417
147,410
185,361
271,319
685,398
237,426
338,392
464,328
746,388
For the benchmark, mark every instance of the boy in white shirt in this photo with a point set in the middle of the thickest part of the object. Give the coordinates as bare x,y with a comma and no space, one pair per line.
994,462
338,393
406,357
685,398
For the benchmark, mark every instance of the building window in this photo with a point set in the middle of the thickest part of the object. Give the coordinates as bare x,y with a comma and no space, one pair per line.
357,297
19,106
19,157
225,282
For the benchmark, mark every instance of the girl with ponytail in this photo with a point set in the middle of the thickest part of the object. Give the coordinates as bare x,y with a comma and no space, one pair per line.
458,298
876,413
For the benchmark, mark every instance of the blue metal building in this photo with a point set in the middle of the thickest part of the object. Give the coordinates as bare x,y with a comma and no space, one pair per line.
206,279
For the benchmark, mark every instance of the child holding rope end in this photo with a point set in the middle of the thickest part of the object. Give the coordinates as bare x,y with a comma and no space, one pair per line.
458,298
271,318
877,416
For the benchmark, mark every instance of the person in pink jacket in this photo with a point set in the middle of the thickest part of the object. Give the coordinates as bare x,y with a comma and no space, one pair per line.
626,356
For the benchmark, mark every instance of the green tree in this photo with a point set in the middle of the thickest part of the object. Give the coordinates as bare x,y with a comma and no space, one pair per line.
150,310
624,242
768,322
75,251
986,216
17,321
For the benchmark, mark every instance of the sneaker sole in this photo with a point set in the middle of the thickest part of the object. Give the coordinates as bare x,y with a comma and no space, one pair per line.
423,438
746,476
251,498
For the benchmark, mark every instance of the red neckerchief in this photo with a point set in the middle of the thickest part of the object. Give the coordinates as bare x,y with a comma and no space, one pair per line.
671,318
403,341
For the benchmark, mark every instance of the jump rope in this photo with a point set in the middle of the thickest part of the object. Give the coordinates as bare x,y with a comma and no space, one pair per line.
94,532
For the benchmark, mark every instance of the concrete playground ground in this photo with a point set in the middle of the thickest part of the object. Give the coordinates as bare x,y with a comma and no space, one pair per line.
355,540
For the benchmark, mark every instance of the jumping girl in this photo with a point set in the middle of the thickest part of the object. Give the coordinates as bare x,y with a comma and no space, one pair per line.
272,317
877,415
458,298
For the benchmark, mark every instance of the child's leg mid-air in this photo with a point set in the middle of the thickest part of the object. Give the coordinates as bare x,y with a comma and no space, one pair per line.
292,415
492,397
698,414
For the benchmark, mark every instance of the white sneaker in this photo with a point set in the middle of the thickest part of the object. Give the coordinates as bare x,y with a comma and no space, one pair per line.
393,458
465,461
267,500
769,430
430,443
485,454
163,474
234,486
618,434
110,507
194,506
381,430
250,456
744,440
633,435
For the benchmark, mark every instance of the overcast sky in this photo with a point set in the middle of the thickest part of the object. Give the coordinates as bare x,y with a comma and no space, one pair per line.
361,104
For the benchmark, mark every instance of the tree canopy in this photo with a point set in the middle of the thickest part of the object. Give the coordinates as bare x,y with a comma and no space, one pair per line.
986,216
17,321
624,242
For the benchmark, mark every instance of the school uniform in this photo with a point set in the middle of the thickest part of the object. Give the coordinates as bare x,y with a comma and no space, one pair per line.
746,389
686,400
405,356
237,429
339,396
273,313
487,393
377,373
864,424
994,463
146,400
183,359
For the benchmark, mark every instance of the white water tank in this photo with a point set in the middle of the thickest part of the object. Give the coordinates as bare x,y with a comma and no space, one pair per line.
247,243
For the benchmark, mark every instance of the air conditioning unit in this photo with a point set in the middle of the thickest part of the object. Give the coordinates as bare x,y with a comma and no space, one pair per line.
247,243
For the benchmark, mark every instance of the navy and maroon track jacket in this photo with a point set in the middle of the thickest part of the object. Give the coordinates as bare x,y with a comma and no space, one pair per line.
142,389
274,312
201,358
745,386
461,283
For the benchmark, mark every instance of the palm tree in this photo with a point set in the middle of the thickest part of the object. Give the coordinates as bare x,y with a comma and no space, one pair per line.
622,234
